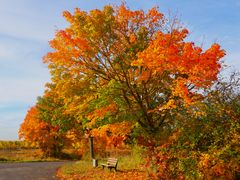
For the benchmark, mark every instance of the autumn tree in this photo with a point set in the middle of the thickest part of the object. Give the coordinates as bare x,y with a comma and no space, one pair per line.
49,125
138,68
121,74
39,133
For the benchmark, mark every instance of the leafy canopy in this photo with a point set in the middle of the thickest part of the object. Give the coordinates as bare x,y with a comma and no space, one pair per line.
137,69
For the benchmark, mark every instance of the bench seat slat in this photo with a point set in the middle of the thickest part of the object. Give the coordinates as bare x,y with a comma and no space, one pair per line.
111,163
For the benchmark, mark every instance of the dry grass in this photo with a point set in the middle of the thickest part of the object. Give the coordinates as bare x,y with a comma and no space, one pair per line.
23,155
15,145
22,151
129,167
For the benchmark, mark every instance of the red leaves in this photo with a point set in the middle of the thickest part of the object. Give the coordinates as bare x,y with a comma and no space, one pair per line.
169,53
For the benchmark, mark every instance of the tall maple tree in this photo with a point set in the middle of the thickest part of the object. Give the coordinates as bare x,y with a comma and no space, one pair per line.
138,70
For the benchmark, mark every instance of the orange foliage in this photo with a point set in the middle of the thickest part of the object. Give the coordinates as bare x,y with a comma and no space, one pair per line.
39,133
98,173
113,134
100,113
186,63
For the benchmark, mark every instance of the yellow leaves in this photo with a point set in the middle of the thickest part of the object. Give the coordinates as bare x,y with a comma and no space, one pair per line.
100,113
113,134
180,90
138,62
200,114
204,160
116,129
71,135
169,105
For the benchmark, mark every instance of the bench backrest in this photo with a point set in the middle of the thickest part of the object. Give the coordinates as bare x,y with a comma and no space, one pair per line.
112,161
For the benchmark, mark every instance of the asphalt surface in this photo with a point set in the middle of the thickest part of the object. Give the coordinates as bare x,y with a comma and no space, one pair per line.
29,170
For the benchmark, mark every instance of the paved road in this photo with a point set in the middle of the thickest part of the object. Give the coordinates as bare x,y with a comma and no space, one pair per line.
29,171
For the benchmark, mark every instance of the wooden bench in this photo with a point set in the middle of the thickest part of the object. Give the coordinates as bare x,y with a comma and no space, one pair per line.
111,164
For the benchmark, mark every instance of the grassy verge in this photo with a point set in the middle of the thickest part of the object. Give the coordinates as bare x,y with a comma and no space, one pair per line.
129,167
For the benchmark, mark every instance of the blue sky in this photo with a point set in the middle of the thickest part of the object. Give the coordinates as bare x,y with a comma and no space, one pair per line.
26,26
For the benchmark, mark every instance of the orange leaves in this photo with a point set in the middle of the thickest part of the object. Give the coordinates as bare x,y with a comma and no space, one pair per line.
180,90
36,131
124,15
169,105
168,52
127,17
162,53
186,63
101,113
68,49
31,125
68,16
113,134
155,16
89,173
